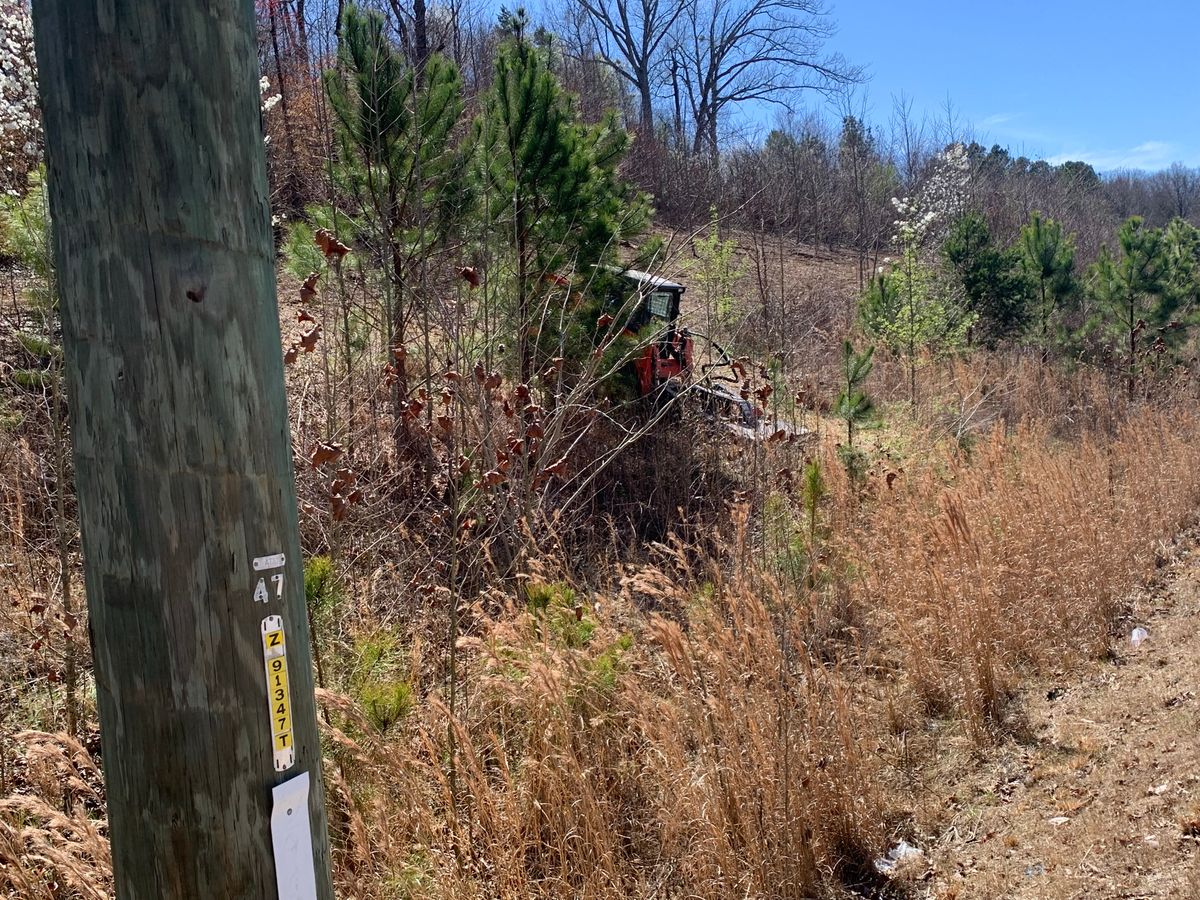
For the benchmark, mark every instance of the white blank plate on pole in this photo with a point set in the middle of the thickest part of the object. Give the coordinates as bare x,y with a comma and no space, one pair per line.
291,837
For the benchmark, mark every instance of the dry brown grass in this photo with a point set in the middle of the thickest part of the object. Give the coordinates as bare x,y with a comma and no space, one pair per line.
1021,553
683,759
746,738
739,746
53,842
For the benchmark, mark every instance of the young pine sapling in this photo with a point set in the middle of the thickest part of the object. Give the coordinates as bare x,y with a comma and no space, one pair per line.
854,407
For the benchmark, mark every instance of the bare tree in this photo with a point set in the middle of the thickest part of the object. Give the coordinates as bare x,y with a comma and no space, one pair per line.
910,141
858,157
735,51
630,36
457,29
1182,188
414,32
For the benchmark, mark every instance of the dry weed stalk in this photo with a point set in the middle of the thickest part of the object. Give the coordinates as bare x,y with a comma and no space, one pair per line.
46,852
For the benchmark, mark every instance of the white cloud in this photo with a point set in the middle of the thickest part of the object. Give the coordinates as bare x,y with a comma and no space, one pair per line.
1006,127
996,119
1151,156
1148,155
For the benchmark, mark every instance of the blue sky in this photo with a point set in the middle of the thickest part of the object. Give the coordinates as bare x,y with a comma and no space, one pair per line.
1114,84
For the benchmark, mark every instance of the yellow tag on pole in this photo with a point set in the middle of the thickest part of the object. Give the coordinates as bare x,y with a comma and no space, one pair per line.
279,700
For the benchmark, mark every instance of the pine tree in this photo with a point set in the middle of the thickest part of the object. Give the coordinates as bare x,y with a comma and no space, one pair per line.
1178,308
396,138
1181,247
854,407
549,183
1048,258
1130,288
397,169
991,284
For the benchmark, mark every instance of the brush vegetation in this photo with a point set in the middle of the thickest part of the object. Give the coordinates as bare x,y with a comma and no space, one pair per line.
572,642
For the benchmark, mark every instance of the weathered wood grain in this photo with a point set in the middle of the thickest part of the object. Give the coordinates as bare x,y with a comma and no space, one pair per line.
182,453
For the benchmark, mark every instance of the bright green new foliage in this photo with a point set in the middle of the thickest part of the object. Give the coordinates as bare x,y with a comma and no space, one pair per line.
717,273
25,234
908,309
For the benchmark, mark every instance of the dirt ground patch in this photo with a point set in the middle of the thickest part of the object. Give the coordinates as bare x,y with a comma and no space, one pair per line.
1101,796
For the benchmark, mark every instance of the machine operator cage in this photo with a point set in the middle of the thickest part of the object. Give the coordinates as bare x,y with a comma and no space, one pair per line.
659,299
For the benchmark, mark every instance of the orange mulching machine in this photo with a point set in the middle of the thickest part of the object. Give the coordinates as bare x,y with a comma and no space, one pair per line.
669,366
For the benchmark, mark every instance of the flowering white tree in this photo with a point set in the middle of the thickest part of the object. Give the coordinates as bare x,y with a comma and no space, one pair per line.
906,307
940,201
269,101
20,118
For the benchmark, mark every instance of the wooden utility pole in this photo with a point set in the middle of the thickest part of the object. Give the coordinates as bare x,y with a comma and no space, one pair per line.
183,465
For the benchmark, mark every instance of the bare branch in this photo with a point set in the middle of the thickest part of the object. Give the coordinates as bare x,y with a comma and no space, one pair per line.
755,50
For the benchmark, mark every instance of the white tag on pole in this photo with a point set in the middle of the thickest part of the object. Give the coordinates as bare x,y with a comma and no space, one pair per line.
274,561
291,838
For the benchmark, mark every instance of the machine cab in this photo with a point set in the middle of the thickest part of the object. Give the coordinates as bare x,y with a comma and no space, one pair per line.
667,358
659,300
